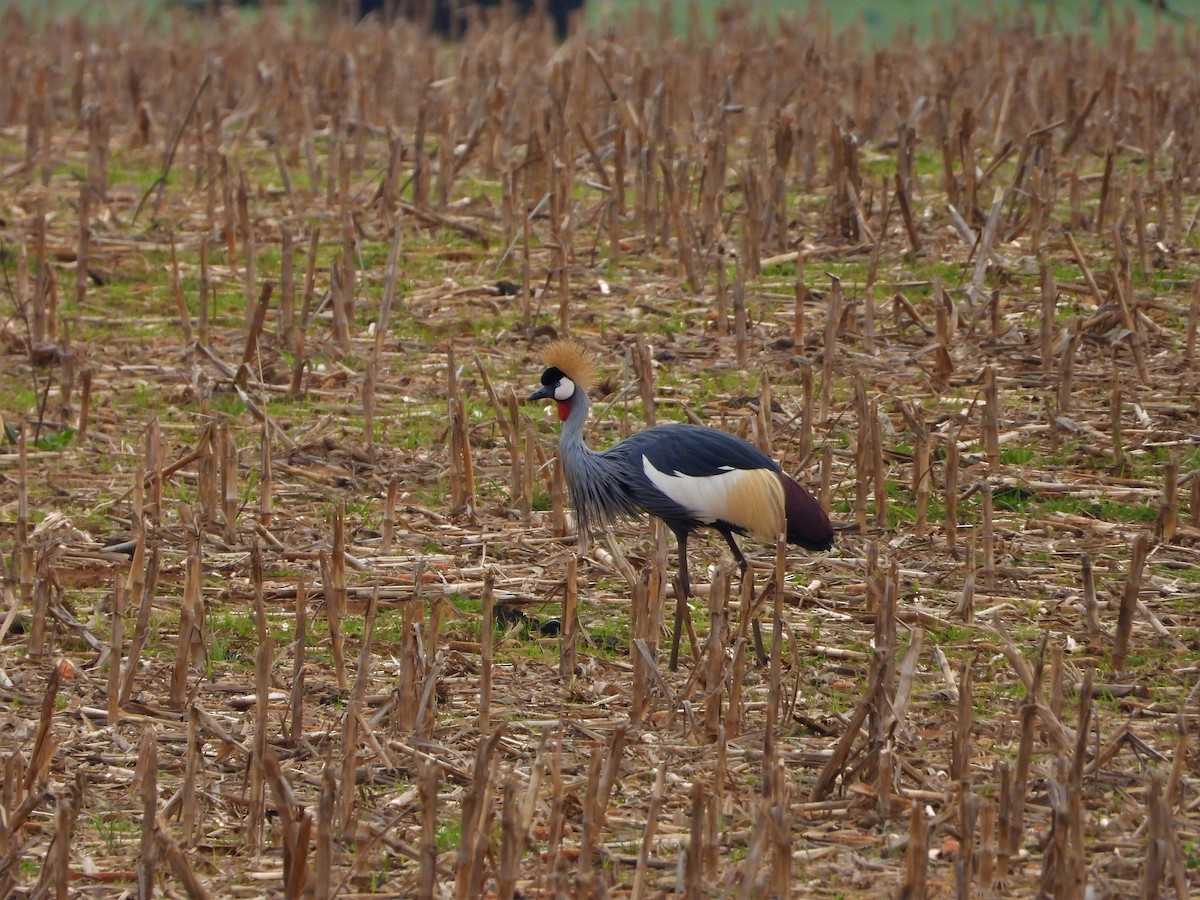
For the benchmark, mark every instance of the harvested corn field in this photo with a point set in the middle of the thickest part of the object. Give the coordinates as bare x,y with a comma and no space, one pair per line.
292,602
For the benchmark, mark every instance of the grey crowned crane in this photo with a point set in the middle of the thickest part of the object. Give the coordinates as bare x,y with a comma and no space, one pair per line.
687,475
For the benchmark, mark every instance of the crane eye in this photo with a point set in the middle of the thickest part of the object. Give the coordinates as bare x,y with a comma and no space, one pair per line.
565,389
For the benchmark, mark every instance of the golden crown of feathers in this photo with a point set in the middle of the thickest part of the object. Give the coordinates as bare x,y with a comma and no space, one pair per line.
572,359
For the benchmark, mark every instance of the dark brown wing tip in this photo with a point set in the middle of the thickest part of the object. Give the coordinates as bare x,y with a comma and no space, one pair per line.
808,524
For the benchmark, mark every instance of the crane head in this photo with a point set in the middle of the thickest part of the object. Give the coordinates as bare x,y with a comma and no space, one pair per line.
557,385
569,367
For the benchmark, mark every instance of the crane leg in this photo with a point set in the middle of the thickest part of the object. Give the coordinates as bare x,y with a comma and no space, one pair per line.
683,590
745,567
737,551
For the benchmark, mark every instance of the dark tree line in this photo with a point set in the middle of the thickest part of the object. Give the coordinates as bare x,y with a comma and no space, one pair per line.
448,18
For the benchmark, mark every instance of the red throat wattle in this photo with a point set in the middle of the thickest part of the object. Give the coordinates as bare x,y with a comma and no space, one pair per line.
564,410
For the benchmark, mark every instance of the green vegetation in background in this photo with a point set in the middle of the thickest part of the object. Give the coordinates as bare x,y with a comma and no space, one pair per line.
880,20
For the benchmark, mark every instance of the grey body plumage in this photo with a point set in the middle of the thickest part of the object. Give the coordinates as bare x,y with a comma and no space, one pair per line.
606,485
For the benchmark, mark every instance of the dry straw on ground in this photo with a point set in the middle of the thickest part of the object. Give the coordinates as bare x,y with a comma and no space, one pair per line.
292,606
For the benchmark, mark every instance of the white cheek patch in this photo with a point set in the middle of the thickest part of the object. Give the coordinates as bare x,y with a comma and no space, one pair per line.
565,389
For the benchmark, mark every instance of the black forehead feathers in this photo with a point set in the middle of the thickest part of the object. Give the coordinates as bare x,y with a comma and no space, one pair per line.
553,375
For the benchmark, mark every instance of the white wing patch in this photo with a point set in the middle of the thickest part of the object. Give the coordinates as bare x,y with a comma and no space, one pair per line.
748,498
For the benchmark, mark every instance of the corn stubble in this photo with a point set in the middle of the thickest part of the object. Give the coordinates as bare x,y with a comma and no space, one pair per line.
291,598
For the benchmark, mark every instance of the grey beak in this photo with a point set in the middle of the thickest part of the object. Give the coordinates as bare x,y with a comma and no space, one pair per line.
544,392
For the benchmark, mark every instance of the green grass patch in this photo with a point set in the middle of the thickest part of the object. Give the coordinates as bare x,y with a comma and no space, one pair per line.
1103,509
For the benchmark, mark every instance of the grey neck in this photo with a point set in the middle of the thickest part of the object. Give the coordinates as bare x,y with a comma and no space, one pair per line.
572,428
